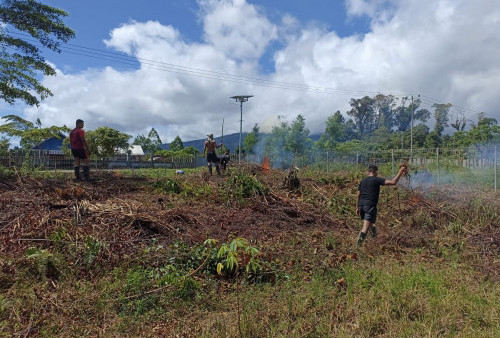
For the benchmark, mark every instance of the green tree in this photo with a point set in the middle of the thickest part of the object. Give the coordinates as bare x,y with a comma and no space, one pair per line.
176,144
252,139
297,139
441,111
402,117
20,59
363,114
385,108
481,134
30,133
483,120
149,144
433,140
4,145
106,142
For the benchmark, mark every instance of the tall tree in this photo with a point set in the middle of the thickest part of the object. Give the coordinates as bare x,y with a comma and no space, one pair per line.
363,113
30,133
176,144
402,117
106,141
155,139
149,144
20,59
384,107
252,139
441,111
297,139
483,120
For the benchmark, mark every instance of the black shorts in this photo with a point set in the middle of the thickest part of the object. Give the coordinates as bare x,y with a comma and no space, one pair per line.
79,153
368,213
212,157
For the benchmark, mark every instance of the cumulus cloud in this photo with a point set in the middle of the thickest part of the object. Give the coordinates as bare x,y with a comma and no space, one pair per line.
444,50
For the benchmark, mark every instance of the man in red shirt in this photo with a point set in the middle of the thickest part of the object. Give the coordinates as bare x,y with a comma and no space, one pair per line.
80,150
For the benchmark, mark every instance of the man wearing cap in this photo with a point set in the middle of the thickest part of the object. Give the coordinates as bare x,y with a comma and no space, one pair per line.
80,150
209,149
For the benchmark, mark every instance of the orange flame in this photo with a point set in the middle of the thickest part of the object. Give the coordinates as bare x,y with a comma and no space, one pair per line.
266,163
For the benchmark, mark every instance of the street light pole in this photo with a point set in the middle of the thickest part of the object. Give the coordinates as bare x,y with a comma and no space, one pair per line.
241,99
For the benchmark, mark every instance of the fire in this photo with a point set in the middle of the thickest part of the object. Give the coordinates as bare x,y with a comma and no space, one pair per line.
266,163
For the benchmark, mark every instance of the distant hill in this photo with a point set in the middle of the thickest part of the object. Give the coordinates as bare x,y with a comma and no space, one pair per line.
231,141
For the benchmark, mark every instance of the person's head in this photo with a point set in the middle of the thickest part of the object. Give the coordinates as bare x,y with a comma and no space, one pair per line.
227,151
373,170
79,123
210,136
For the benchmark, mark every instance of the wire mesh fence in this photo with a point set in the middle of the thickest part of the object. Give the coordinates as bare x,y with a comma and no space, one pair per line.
434,165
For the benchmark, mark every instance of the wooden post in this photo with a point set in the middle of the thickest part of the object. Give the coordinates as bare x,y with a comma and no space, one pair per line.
437,160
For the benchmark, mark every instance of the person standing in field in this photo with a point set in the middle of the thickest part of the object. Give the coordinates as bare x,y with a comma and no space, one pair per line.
209,150
367,200
80,150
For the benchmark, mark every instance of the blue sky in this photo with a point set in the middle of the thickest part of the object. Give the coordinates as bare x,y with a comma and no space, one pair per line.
173,65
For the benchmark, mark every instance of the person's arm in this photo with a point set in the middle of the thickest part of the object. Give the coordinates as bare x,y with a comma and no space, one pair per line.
85,144
395,180
357,202
205,149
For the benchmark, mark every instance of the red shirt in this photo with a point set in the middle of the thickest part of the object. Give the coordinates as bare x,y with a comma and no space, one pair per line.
76,138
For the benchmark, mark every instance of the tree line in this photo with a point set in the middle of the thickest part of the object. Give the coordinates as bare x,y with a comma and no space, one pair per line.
371,123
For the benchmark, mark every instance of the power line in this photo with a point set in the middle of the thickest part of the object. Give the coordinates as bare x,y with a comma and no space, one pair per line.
120,58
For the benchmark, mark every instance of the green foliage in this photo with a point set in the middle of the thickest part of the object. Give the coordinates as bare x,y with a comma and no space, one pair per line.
22,60
176,144
252,139
188,151
30,133
238,253
4,146
296,139
91,250
46,264
363,113
441,116
242,185
167,186
106,142
149,144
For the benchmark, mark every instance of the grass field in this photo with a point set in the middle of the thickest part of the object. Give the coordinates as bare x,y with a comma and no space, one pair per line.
147,253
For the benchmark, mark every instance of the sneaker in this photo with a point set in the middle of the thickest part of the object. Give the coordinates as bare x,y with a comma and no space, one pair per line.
373,231
361,238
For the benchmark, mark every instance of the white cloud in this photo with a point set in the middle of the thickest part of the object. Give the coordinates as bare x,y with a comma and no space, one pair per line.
437,48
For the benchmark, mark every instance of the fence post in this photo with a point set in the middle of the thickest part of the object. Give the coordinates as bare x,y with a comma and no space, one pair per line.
327,163
392,155
437,160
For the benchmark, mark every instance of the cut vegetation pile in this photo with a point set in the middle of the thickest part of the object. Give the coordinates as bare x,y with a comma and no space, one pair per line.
253,253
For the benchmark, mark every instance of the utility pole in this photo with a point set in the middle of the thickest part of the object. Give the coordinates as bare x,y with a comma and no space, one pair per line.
241,99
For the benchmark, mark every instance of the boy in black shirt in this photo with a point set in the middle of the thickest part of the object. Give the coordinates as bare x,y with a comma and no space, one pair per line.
368,193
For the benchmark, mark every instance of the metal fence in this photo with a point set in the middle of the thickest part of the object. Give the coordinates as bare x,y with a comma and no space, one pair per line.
436,162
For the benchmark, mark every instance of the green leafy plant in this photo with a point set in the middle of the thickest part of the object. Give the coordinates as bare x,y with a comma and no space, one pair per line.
167,186
45,263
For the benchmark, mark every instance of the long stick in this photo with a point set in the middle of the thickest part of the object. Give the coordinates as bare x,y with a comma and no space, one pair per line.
222,137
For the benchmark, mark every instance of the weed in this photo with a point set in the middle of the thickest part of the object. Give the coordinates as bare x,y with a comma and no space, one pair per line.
167,186
92,249
241,186
46,265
